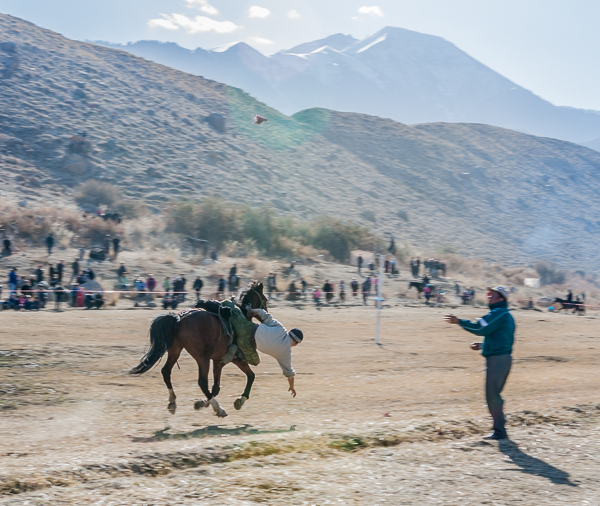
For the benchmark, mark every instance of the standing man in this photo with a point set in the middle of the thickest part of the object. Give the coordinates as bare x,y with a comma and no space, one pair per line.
60,267
116,244
359,261
75,267
198,284
50,243
366,289
7,243
221,288
13,280
498,329
106,244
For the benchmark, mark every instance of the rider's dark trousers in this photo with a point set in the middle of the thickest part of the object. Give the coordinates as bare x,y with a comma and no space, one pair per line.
497,371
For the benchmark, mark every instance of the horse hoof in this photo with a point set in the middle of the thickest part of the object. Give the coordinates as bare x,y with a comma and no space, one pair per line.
172,407
239,402
200,404
221,413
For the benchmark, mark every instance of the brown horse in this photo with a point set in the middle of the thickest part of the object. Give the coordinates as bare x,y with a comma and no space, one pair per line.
201,334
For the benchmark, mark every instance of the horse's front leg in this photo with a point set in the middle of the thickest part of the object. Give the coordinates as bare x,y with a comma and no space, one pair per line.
245,368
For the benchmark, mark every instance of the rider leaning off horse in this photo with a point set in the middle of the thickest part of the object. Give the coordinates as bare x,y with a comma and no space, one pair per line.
201,334
273,339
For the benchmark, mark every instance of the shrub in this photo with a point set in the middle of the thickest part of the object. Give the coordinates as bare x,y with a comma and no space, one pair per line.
549,273
211,220
98,193
337,237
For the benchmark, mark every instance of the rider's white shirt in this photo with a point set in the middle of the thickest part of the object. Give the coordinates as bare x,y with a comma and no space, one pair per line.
272,338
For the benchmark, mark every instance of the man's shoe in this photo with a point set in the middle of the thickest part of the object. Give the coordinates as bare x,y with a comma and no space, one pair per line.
495,436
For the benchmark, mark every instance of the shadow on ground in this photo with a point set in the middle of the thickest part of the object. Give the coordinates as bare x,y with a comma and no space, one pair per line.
533,465
210,431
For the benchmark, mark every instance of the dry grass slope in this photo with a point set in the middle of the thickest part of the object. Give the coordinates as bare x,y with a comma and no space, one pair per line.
481,190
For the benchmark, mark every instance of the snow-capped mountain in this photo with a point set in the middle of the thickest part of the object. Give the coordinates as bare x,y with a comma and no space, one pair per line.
395,73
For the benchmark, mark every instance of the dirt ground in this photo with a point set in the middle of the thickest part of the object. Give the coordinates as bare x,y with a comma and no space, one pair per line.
399,423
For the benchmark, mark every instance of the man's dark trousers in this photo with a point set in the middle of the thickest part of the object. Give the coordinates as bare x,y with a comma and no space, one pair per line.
498,367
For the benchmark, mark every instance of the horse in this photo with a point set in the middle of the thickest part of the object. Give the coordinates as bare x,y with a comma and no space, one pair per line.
419,285
201,334
577,306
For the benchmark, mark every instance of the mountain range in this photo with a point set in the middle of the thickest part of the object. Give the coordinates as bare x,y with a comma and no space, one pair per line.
399,74
163,136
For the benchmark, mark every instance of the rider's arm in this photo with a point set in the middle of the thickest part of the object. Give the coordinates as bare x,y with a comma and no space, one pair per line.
291,389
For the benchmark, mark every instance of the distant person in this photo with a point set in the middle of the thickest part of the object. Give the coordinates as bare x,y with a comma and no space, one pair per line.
317,297
167,286
60,295
233,271
60,268
178,288
569,296
53,274
303,287
7,243
427,293
366,289
76,268
221,288
39,274
354,286
328,290
122,270
91,274
151,283
359,262
457,289
394,266
213,255
498,331
183,281
116,244
418,266
272,283
198,284
106,244
342,290
50,243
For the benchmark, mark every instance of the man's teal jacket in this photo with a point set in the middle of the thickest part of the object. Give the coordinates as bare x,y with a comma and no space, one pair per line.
497,327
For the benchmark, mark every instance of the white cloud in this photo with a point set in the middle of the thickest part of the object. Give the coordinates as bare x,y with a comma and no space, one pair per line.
374,10
199,24
163,23
294,14
204,6
258,12
260,40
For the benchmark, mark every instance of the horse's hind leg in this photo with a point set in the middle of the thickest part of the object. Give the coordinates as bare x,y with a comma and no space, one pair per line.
174,352
245,368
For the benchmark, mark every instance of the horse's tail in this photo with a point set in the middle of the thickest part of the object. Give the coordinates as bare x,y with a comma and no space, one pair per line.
163,330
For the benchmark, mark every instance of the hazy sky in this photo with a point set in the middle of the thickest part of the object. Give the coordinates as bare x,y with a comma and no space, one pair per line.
551,47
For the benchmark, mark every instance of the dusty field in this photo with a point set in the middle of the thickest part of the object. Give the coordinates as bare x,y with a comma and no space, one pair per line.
396,424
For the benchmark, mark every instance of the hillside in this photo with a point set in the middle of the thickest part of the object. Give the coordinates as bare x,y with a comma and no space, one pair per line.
395,73
162,136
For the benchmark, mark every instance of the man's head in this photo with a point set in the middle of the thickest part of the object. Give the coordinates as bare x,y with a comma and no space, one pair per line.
296,335
497,294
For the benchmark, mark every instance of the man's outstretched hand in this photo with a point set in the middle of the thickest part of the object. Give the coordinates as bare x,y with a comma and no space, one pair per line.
450,318
476,346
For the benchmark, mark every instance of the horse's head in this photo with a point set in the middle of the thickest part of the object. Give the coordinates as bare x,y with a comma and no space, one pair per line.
253,295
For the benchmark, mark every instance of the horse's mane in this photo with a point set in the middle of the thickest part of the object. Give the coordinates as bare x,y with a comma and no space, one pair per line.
244,291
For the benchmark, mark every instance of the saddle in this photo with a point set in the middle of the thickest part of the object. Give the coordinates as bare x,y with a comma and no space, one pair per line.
222,312
240,331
